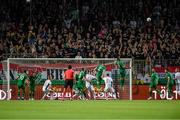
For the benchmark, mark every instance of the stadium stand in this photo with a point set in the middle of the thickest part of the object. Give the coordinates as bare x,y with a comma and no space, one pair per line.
90,29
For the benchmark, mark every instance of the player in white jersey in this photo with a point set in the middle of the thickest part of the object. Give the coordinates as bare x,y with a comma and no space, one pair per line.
90,88
47,87
108,85
177,79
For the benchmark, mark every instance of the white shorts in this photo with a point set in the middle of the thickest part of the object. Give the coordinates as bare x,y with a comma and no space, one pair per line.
178,81
90,87
76,91
46,91
108,87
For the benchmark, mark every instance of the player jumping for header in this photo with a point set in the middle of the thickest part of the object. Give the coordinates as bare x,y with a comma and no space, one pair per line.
99,73
122,72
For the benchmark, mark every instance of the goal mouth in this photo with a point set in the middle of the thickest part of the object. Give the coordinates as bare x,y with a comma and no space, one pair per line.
57,66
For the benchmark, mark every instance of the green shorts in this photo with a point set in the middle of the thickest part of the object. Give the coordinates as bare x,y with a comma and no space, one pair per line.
32,88
21,86
122,73
80,85
153,85
170,87
121,83
99,78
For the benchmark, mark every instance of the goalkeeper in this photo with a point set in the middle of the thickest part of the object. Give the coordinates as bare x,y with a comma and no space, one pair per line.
21,80
122,72
79,87
99,72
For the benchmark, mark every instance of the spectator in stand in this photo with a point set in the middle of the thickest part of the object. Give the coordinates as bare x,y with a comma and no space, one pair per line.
95,29
78,56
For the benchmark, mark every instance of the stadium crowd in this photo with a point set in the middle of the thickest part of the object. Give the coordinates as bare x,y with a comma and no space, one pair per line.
90,29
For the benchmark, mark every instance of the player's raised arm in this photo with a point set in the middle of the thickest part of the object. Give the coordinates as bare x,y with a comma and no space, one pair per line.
96,68
18,76
115,63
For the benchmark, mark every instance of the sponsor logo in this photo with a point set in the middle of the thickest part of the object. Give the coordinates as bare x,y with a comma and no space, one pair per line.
4,94
165,94
98,95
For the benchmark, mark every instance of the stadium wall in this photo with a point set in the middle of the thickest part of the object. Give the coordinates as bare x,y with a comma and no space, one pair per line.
140,92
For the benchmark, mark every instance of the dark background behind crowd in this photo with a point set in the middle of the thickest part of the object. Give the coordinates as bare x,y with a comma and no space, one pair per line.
90,29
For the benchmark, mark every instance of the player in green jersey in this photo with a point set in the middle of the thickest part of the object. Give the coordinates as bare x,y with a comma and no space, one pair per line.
33,79
79,87
21,80
170,82
122,72
153,83
99,73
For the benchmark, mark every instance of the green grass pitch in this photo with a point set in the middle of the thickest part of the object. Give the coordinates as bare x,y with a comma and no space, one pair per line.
90,110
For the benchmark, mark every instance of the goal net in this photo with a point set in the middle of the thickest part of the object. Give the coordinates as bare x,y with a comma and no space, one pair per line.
56,66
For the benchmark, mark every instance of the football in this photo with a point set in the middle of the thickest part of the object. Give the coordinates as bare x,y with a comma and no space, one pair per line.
148,19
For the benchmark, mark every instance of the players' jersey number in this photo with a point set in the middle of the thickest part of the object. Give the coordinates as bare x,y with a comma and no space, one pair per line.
22,77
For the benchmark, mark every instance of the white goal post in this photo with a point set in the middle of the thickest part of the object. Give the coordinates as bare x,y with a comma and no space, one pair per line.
61,63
